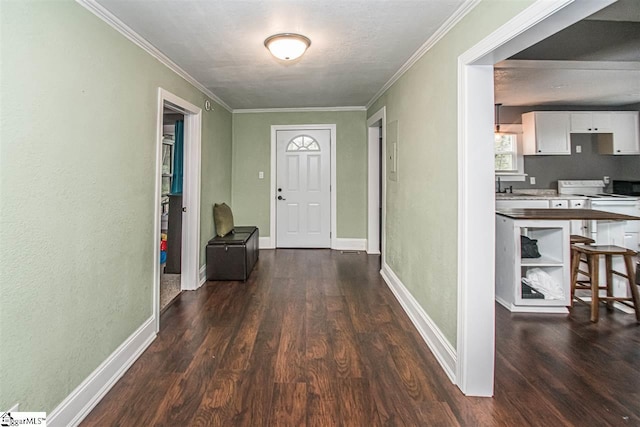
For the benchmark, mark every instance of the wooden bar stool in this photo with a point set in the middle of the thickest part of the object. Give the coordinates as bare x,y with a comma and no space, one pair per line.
592,254
577,239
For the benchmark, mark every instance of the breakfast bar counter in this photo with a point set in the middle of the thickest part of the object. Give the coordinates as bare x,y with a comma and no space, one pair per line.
565,214
549,229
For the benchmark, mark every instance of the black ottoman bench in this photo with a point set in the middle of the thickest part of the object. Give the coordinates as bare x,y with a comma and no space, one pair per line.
233,256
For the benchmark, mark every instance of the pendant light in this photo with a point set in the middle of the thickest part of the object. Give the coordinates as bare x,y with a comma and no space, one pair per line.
287,46
497,116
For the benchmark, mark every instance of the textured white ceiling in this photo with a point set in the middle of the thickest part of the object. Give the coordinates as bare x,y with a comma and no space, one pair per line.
595,62
589,83
356,45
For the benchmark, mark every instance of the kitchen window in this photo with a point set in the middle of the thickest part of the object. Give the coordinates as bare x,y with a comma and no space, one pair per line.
509,161
506,152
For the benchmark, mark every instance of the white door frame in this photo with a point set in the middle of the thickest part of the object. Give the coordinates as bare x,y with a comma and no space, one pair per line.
189,278
273,240
374,123
476,199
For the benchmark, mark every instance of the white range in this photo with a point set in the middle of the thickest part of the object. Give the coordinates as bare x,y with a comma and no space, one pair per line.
597,199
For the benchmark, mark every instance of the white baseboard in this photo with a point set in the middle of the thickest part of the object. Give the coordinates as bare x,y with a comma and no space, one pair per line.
444,352
349,244
531,309
203,275
77,405
266,243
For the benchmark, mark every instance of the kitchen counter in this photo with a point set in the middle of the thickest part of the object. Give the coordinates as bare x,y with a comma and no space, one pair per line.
526,196
564,214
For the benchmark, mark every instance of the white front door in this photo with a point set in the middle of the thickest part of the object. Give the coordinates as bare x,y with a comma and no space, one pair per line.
303,205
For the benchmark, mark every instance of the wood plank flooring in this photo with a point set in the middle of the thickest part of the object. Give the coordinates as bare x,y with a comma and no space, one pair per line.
315,338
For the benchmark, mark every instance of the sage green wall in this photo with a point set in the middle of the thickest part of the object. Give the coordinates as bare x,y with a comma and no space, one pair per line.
252,153
421,225
77,151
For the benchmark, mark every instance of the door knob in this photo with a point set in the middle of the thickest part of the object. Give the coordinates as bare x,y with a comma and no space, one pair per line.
281,198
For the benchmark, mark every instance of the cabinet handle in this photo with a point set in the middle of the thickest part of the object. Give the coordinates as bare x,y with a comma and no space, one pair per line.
596,129
589,129
539,151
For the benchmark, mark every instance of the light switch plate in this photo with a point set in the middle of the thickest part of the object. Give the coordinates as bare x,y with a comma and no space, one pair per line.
606,179
578,148
532,180
260,175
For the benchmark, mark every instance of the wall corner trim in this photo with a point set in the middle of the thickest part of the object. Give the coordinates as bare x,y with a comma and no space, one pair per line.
432,335
79,403
265,243
297,109
451,22
101,12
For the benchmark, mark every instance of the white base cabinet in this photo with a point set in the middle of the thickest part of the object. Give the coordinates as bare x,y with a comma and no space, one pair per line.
553,245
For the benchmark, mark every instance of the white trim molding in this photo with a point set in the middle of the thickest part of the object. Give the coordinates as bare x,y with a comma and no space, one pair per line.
266,243
297,110
190,267
342,244
443,351
460,13
101,12
476,211
77,405
334,186
376,170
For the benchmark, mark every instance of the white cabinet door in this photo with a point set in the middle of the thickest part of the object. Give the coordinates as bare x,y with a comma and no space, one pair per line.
546,133
558,204
522,204
581,122
601,121
625,133
590,122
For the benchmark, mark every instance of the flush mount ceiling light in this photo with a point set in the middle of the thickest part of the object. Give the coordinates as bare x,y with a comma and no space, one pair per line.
287,46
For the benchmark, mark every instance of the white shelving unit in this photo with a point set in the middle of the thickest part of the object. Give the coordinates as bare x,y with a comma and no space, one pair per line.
553,245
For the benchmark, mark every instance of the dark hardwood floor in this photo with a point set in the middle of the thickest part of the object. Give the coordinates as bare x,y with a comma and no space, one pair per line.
315,338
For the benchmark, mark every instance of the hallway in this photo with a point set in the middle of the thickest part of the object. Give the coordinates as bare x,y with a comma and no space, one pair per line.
315,338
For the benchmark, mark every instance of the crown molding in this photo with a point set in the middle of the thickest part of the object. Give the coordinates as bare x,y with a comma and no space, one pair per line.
460,13
94,7
297,110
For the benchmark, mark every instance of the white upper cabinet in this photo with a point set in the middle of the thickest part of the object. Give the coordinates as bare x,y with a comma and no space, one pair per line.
546,132
624,138
591,122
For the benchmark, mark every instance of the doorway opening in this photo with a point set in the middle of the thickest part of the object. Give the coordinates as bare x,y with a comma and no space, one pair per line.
177,206
475,356
376,127
171,205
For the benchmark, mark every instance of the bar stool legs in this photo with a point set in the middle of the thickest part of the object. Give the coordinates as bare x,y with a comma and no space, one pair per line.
592,254
634,287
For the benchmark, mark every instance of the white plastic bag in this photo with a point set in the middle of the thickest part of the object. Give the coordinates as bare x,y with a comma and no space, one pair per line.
542,282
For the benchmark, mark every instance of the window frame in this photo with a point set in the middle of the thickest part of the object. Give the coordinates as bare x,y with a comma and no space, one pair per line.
517,174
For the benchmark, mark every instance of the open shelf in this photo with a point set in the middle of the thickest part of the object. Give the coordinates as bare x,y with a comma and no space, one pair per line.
552,239
543,261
